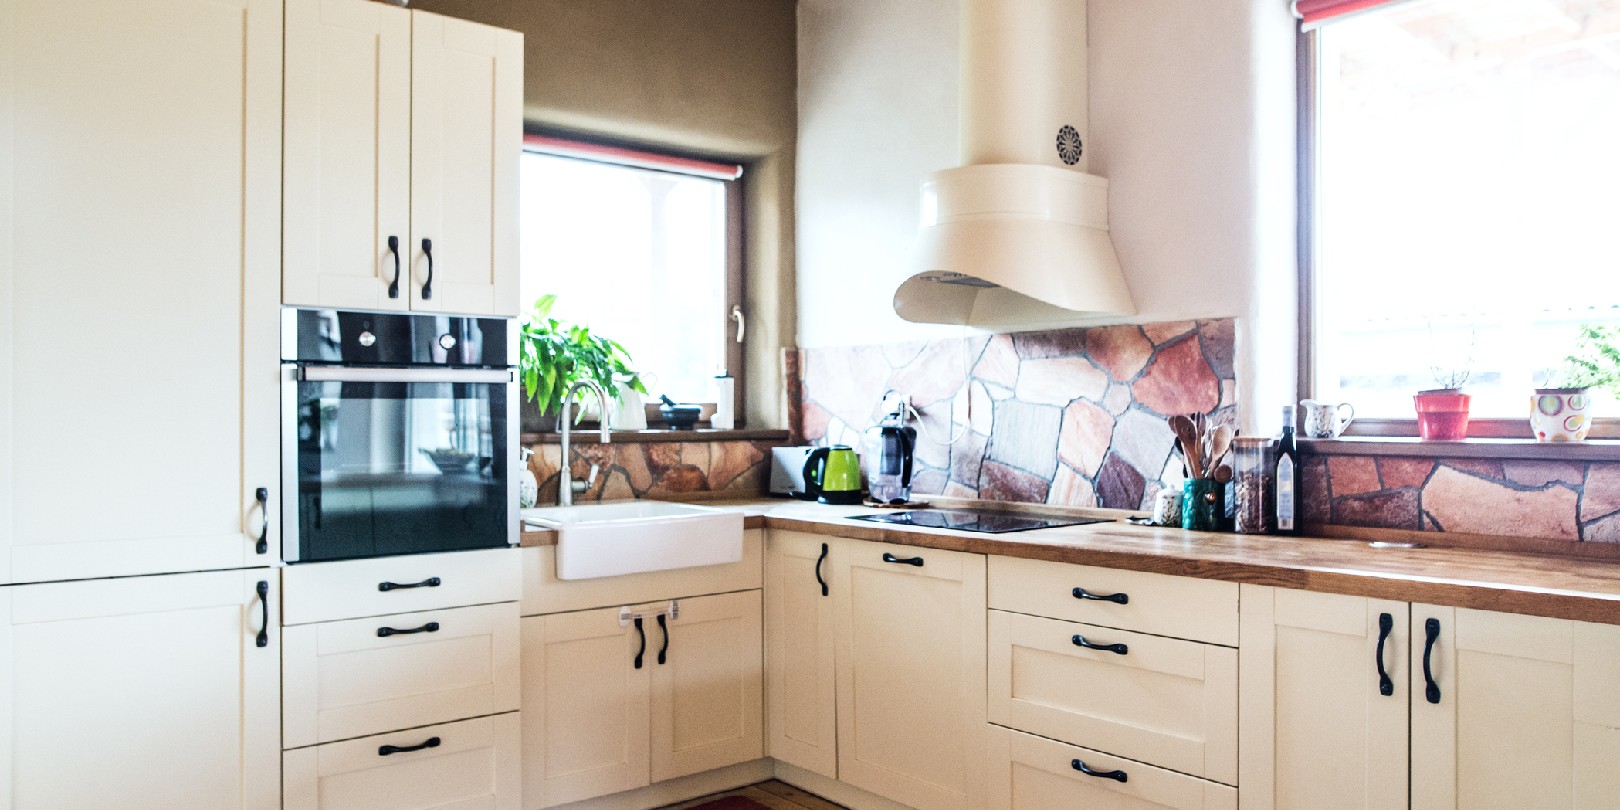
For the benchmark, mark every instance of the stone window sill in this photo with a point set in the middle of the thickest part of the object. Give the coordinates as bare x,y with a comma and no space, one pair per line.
588,435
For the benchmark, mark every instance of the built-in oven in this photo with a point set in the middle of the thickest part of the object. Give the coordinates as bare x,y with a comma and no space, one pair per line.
399,434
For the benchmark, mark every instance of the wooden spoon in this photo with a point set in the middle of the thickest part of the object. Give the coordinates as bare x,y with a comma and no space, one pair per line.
1223,474
1220,444
1188,436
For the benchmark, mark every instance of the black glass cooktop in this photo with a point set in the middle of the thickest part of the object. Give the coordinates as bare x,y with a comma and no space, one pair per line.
968,520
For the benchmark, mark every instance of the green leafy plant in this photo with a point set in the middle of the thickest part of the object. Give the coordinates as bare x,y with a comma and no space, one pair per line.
553,355
1595,362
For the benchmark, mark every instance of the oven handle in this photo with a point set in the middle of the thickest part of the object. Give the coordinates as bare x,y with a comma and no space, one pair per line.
403,375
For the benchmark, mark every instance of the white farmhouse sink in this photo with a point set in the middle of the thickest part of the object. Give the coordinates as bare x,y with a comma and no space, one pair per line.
635,537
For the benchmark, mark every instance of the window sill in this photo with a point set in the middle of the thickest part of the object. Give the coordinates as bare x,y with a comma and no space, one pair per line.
590,436
1589,450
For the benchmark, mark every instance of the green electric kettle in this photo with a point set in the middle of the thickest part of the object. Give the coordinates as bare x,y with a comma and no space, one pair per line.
833,475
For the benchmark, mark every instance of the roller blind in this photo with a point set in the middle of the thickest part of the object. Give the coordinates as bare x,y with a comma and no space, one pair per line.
1316,13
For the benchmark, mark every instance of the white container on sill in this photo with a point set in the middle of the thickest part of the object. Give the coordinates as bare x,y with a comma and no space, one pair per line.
725,403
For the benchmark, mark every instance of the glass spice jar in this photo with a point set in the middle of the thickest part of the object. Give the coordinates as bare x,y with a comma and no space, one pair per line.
1253,487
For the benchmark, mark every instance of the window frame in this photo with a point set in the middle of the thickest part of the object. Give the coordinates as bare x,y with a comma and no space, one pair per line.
1307,72
731,174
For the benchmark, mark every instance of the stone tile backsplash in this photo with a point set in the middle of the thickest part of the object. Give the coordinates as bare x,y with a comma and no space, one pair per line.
660,470
1559,500
1073,417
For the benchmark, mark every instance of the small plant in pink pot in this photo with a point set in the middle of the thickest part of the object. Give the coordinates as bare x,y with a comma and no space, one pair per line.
1442,413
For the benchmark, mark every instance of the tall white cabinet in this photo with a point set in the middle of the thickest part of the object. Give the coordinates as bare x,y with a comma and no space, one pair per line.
141,693
403,135
140,222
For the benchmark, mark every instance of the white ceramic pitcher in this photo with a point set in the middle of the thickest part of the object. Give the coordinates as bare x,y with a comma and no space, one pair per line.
1326,420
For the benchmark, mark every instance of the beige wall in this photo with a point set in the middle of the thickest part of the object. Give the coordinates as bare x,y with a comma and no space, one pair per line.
1192,122
712,77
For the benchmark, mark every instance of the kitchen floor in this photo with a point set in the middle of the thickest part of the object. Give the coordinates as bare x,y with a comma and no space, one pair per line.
773,794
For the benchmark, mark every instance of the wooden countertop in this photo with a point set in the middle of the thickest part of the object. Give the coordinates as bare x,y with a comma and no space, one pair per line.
1538,585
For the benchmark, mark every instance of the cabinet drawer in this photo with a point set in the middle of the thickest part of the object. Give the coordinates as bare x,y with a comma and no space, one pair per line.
1030,773
365,676
323,592
1180,607
470,764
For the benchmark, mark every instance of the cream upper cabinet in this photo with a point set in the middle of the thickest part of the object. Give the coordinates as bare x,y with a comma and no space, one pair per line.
466,136
1513,711
707,685
1322,725
403,135
140,179
800,679
347,210
911,673
141,693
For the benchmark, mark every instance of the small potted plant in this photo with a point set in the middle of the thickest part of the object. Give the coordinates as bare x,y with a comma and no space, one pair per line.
1560,412
1442,413
553,355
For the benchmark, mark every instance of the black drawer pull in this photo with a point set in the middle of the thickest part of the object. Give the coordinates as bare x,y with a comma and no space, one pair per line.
262,497
393,248
385,632
431,742
1431,633
663,652
427,286
263,590
819,578
1117,649
430,582
1116,598
1386,685
1117,776
641,651
890,558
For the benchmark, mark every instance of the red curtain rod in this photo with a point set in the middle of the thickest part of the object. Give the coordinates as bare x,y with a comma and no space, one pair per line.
632,157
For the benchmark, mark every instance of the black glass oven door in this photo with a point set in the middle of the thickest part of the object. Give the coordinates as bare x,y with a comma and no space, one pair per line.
400,461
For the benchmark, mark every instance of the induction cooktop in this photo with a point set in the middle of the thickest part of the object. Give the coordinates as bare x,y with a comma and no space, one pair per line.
970,520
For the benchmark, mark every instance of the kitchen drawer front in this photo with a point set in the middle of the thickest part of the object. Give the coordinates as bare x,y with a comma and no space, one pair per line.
364,676
544,593
323,592
474,764
1031,773
1169,702
1179,607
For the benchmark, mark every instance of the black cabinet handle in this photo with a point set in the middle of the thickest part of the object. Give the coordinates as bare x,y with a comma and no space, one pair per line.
1431,634
642,650
427,286
664,649
430,582
819,560
1386,623
386,750
1117,776
1117,649
1116,598
262,495
263,590
385,632
393,286
890,558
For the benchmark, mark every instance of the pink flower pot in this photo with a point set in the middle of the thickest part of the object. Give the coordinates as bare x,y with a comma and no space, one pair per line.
1442,414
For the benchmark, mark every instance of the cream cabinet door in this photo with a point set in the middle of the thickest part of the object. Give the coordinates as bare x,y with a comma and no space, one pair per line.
466,136
1322,727
585,706
800,680
707,685
911,673
455,766
345,240
1513,711
140,166
141,693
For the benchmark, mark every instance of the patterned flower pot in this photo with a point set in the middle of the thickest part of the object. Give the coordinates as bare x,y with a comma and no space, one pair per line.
1442,414
1560,414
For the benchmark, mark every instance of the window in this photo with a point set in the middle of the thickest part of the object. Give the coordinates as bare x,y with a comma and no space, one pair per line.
642,248
1466,198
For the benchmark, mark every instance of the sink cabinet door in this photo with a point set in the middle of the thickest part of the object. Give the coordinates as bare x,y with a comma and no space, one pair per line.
799,637
1316,729
1528,711
911,673
585,707
707,684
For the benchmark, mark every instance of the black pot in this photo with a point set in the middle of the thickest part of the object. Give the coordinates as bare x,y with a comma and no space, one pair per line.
681,417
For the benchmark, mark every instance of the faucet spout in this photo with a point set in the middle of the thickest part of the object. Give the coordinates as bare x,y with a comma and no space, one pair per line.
567,487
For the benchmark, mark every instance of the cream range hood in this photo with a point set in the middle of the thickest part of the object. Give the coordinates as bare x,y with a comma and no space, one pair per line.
1018,235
